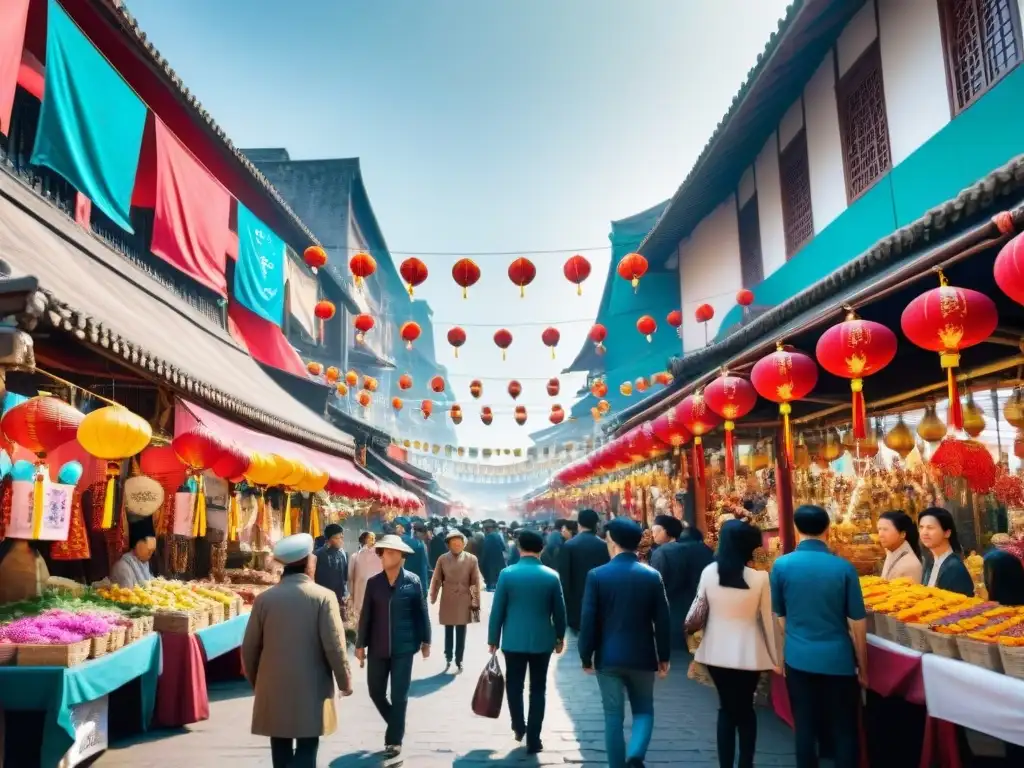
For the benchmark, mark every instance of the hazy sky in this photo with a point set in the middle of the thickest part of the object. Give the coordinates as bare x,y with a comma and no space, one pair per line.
481,126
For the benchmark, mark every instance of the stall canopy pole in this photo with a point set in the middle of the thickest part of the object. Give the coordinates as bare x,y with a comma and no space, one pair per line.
784,493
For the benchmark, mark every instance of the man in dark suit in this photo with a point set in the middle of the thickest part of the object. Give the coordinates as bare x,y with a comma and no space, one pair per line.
625,639
579,556
680,558
493,556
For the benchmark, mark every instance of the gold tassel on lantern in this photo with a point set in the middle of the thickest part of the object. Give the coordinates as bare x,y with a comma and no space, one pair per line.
314,522
785,409
199,516
113,472
38,497
287,529
234,515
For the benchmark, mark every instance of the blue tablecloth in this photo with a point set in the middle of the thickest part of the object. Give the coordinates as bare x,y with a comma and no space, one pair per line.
221,638
55,690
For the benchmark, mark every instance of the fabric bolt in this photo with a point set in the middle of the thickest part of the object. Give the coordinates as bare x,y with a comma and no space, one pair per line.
13,21
455,643
181,695
190,222
259,273
517,665
302,297
264,340
222,638
91,122
397,669
616,685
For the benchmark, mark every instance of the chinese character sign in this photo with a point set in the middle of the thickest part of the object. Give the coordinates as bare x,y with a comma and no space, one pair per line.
56,511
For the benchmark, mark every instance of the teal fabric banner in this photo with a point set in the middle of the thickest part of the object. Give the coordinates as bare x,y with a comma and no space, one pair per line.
259,273
224,637
91,122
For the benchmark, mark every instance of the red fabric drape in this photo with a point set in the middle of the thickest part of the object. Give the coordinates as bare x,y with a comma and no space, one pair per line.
181,694
13,21
144,192
190,225
264,340
32,74
83,210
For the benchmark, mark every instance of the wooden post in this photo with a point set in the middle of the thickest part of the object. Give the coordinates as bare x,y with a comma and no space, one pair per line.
784,494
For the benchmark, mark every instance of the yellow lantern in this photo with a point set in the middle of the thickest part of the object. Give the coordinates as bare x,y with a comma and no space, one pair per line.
900,439
974,417
291,481
262,469
832,447
930,428
1014,410
113,434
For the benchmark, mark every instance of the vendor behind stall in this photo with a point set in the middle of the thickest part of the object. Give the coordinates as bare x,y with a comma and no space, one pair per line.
133,567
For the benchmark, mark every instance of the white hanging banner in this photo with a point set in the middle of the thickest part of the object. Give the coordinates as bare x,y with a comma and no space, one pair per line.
184,510
217,500
56,510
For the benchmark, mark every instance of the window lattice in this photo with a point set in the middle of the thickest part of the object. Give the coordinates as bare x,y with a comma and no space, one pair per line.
751,264
795,177
982,44
866,129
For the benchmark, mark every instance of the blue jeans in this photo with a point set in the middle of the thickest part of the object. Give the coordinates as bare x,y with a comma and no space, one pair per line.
616,685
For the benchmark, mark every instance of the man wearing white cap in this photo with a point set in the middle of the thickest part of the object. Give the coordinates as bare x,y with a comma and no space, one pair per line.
394,624
294,643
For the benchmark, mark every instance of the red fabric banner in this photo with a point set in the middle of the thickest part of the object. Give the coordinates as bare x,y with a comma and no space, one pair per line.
32,74
190,225
83,211
13,21
264,340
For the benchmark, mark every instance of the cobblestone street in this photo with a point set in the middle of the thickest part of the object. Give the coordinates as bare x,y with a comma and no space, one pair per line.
443,732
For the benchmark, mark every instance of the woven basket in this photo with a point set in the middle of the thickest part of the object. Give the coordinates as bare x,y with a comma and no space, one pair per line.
202,619
882,626
943,645
231,611
919,638
176,622
53,655
216,613
870,616
98,646
985,655
148,624
136,630
899,633
1013,660
118,637
8,654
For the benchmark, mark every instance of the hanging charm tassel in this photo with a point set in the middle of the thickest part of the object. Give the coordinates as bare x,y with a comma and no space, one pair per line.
785,409
314,522
955,419
199,512
234,515
860,411
113,471
38,499
287,525
730,451
698,459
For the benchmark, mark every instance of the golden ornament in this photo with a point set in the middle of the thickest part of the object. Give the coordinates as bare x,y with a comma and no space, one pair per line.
900,439
931,428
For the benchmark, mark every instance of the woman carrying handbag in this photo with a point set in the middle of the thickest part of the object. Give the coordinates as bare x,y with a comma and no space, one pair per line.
733,607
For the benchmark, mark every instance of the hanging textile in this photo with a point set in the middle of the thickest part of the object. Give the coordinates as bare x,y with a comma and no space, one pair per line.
302,297
32,75
13,21
259,274
91,122
190,223
264,340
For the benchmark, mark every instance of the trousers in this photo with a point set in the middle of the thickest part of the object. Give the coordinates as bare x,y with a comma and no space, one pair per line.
829,703
397,669
455,636
294,753
616,685
516,667
736,716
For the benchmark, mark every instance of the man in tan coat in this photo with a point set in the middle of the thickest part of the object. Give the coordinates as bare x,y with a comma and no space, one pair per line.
458,580
293,644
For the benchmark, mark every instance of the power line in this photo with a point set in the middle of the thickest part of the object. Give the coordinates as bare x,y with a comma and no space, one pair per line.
462,254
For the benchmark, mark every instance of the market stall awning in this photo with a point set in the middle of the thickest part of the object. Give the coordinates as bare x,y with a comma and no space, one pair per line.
119,310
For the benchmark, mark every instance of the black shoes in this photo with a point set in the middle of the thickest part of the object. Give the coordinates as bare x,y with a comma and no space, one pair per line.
458,668
634,762
392,750
534,747
518,734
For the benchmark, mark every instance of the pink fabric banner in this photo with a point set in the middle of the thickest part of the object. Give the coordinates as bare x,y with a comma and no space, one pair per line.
32,74
190,226
13,21
83,211
264,340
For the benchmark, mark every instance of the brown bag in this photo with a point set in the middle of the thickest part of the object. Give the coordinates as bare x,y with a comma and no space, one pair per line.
490,690
698,616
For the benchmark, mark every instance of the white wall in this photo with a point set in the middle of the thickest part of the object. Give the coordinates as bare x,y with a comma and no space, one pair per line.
824,146
710,271
792,123
913,73
858,34
769,206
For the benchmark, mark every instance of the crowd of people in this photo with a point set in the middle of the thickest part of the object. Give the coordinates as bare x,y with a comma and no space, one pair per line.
631,597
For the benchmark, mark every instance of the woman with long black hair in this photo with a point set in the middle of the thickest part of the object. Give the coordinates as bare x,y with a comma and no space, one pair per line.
1004,578
945,568
898,534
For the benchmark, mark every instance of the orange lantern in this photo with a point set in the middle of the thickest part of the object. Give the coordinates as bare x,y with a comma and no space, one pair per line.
362,265
314,368
363,324
520,415
455,412
553,387
396,403
641,384
854,349
744,297
332,374
731,398
647,326
370,383
947,320
465,273
352,378
551,337
456,337
598,333
522,272
782,377
414,272
410,331
662,377
595,414
603,406
598,388
476,388
557,415
324,310
437,384
364,398
632,267
576,270
405,381
503,340
626,389
427,408
341,389
514,389
486,415
315,257
675,318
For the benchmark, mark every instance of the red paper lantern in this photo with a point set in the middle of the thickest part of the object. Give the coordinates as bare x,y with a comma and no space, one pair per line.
362,265
486,416
456,414
41,424
427,408
369,383
324,309
704,313
632,267
465,273
557,415
456,337
522,272
1009,269
642,384
314,368
598,333
947,320
744,297
520,415
410,331
315,257
599,388
576,270
396,403
351,378
437,384
669,429
515,389
647,326
853,349
503,340
551,337
782,377
675,318
476,388
731,398
553,387
698,419
364,398
363,324
233,462
198,449
405,381
414,272
331,374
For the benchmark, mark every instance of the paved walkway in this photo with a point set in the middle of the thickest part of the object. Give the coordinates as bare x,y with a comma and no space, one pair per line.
443,732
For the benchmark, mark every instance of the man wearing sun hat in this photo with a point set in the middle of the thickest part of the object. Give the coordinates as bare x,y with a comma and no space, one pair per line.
292,653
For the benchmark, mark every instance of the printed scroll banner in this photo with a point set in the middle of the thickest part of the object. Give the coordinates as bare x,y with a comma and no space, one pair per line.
90,720
217,499
13,21
91,122
184,509
259,274
56,511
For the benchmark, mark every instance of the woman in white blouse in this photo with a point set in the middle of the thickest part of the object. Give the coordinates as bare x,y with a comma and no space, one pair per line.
739,637
897,533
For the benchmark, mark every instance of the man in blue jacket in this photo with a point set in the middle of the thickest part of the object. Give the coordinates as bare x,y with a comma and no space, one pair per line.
528,619
417,562
393,625
493,555
579,556
625,638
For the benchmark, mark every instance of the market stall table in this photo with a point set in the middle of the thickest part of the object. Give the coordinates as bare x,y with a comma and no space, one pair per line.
54,691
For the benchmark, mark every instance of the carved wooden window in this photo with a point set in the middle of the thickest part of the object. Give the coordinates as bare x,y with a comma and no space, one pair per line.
795,178
982,39
751,265
863,124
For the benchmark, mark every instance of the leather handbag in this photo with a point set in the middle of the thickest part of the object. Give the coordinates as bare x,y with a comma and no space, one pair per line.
697,618
490,690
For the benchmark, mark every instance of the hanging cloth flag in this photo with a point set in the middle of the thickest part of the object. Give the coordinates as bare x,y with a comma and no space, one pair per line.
259,274
264,340
91,122
13,21
302,297
190,220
